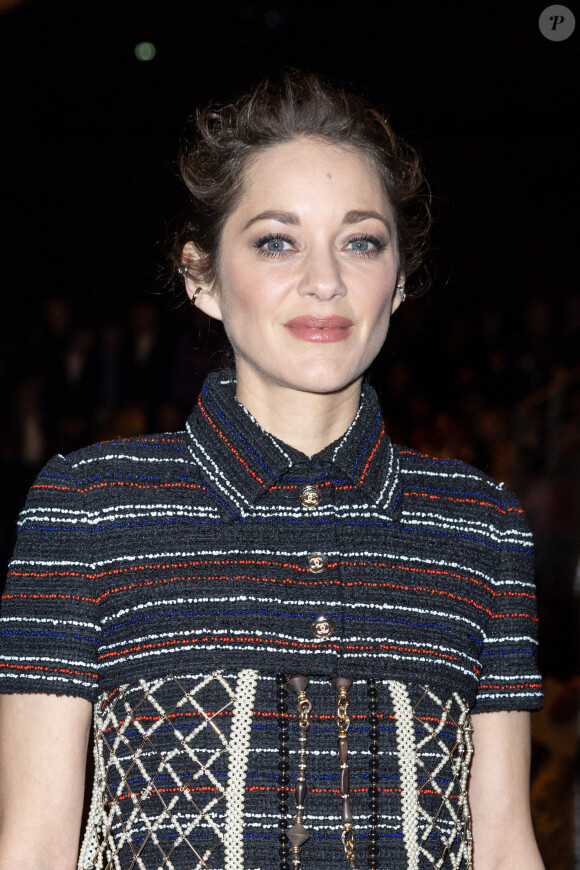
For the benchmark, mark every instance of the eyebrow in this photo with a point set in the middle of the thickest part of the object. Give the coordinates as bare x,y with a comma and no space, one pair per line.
355,217
283,217
291,218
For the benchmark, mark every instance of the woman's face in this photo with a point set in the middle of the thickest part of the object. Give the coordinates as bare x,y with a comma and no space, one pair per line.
307,269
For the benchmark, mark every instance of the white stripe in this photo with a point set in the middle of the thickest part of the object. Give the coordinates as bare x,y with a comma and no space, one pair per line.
224,553
276,444
475,526
442,474
391,477
6,620
407,757
501,695
346,435
301,602
278,635
246,648
314,602
110,456
128,511
217,476
518,639
50,660
239,746
51,679
524,539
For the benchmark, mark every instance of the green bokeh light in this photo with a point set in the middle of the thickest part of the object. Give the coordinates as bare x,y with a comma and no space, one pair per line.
145,51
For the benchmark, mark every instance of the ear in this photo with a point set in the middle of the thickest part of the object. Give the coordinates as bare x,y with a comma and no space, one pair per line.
398,296
203,295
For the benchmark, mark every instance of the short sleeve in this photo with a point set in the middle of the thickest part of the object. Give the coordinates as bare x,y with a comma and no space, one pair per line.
49,632
509,678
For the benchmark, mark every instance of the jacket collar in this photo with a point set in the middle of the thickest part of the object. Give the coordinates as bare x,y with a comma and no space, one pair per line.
243,462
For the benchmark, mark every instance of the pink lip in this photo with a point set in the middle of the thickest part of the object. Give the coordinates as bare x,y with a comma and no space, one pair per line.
322,329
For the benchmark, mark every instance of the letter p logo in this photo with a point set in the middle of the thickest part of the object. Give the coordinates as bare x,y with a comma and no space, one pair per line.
557,23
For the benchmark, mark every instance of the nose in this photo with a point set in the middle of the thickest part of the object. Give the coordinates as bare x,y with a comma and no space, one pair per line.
322,274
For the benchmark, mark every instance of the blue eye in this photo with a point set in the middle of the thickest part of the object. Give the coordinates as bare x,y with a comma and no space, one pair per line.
274,245
366,246
360,244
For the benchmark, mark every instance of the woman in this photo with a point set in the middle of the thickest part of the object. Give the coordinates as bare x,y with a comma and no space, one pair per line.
304,646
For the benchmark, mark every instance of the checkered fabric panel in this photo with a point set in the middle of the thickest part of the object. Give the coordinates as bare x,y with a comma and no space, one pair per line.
443,751
153,808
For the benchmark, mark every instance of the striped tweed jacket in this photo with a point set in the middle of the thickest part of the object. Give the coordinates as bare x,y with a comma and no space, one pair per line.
176,582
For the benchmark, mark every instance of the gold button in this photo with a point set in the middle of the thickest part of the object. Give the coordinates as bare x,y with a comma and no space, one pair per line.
310,497
316,562
323,627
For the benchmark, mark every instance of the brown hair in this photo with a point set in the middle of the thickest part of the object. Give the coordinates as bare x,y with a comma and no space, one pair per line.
213,161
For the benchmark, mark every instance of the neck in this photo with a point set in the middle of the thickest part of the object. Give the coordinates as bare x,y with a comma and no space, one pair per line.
309,422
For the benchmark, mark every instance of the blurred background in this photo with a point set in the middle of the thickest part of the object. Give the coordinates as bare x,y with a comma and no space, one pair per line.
95,343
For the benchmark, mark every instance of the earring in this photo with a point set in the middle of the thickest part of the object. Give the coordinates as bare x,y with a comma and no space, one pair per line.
182,270
401,289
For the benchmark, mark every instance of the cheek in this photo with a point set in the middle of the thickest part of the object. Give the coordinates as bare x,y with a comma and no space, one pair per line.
232,292
379,306
378,323
251,294
240,282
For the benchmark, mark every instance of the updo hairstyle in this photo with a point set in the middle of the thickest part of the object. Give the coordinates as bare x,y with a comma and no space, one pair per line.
225,139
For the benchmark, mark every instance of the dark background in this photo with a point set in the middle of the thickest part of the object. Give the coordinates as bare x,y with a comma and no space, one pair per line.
96,343
90,133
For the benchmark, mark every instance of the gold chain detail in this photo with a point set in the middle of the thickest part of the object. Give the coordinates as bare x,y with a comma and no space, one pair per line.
348,842
342,718
304,708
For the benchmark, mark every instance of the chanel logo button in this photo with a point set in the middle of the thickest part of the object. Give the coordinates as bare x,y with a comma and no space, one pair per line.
310,497
316,562
323,627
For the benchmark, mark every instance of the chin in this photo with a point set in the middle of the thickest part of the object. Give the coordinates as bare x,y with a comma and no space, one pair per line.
321,382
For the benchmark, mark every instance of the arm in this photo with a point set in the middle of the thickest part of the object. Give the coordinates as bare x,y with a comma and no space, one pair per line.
43,748
503,838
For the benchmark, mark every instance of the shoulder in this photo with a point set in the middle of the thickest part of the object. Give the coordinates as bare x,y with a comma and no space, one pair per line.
455,487
445,473
88,470
121,454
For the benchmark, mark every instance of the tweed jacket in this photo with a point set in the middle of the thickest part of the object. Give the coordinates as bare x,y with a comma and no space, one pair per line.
157,574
